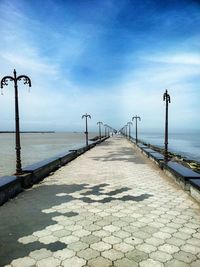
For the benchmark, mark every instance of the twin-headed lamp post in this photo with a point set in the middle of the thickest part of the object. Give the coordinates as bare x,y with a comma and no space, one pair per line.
15,79
136,118
166,98
86,116
99,123
129,125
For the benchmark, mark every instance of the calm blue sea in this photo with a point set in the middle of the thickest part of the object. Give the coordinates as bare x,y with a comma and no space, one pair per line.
186,144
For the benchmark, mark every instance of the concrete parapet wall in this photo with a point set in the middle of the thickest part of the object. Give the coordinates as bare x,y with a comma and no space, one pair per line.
10,186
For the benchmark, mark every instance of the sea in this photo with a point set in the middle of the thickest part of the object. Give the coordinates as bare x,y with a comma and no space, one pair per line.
40,146
185,144
36,147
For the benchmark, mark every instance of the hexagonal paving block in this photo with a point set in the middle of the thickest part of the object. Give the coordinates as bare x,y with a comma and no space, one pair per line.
27,239
169,248
99,262
160,256
112,254
125,263
26,261
40,254
90,239
61,233
48,262
147,248
48,239
123,247
176,263
74,261
151,263
77,246
111,240
42,233
184,256
63,254
69,239
88,254
101,246
136,255
81,233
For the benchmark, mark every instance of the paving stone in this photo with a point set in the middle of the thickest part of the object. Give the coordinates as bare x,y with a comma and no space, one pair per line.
48,262
123,247
42,233
191,249
125,263
112,254
28,239
101,246
168,248
63,254
151,263
23,262
101,233
48,239
112,240
54,227
88,253
136,255
99,262
40,254
155,241
111,228
74,262
77,246
175,241
133,241
121,234
69,239
176,263
162,235
81,233
141,235
61,233
147,248
90,239
195,263
184,256
160,256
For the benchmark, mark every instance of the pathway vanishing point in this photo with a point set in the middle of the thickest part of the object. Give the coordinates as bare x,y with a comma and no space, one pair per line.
109,207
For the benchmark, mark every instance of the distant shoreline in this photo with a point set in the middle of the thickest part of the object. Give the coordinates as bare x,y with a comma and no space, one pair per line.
28,132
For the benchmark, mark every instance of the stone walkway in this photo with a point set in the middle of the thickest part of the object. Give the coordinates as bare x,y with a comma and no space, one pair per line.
109,207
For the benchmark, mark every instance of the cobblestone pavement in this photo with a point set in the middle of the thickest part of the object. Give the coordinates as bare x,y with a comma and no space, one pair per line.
109,207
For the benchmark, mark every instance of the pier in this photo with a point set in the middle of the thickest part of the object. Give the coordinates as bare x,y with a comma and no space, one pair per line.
111,206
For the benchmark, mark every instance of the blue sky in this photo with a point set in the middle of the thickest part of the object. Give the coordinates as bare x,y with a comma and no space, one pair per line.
110,58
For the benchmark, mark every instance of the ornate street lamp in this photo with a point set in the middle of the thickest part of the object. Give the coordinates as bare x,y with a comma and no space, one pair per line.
86,126
100,123
166,98
136,133
129,125
15,79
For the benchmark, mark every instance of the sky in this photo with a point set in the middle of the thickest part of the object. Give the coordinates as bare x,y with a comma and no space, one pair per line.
112,59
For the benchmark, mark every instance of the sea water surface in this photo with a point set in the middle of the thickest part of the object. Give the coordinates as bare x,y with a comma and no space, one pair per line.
40,146
36,147
185,144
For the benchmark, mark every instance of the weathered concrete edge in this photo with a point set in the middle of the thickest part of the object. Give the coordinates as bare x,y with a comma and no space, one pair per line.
192,186
10,186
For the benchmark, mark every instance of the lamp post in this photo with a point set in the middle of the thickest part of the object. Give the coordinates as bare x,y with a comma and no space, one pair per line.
86,126
136,133
15,79
166,98
99,123
129,125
